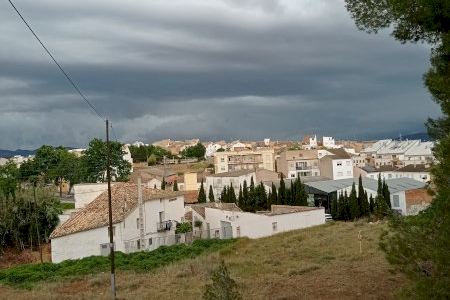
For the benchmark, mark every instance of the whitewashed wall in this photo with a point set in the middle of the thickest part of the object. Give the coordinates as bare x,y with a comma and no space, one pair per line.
259,225
85,193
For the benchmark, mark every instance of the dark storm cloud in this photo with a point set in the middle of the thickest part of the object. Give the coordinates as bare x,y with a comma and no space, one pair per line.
208,69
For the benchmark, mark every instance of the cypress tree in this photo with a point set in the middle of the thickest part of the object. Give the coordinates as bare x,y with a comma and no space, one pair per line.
274,195
361,204
282,192
223,195
211,194
245,197
231,195
175,185
201,194
261,197
346,210
353,202
386,194
371,204
334,208
251,203
269,200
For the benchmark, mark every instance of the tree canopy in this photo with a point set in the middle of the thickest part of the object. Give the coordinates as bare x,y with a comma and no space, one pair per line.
418,245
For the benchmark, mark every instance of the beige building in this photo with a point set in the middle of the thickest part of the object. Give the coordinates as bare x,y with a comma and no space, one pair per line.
298,163
244,160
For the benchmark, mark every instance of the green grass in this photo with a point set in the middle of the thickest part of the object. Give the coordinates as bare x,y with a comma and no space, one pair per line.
67,205
27,275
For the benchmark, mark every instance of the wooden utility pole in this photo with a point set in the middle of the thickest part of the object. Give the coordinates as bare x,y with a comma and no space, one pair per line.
111,238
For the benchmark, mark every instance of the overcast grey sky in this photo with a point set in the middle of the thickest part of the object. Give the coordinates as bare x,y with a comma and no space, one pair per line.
211,69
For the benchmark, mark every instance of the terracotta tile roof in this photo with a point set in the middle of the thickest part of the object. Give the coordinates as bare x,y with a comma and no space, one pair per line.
124,198
339,153
415,168
190,197
286,209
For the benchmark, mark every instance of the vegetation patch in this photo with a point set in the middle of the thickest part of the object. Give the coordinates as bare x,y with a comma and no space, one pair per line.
27,275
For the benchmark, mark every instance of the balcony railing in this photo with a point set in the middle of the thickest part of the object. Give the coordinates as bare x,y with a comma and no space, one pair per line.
305,167
164,226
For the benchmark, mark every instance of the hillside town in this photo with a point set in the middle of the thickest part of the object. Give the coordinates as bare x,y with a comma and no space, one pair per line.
204,189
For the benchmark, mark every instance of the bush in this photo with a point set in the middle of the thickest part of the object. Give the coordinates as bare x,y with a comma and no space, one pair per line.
144,261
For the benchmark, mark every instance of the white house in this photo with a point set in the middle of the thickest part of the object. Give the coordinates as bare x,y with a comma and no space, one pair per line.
143,219
226,220
328,142
417,172
336,165
212,148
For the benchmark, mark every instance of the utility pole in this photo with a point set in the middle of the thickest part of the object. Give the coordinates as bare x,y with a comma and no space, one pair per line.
111,238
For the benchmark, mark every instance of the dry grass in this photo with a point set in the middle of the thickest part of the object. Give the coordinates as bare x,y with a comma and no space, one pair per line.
317,263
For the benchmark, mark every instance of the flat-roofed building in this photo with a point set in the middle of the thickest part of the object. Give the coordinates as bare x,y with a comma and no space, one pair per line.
298,163
244,160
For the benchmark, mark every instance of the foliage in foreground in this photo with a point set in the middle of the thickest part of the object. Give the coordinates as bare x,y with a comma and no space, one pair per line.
27,275
419,245
223,287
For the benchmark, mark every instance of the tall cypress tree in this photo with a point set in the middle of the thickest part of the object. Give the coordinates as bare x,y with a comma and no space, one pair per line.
175,185
201,194
251,203
282,192
371,204
261,200
353,202
274,195
386,194
211,194
346,209
231,194
245,197
334,208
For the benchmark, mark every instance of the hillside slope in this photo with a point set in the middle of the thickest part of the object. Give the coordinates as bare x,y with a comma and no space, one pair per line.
318,263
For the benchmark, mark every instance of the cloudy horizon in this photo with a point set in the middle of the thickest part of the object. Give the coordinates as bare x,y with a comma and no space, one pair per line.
217,69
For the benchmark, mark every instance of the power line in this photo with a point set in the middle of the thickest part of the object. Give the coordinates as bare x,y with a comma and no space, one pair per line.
56,62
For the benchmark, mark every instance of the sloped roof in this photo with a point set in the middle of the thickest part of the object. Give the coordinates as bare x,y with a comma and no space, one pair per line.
338,153
414,168
124,199
190,197
395,184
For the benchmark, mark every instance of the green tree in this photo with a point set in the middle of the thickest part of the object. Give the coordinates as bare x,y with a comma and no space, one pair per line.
386,193
363,202
197,151
371,204
231,197
211,194
175,185
245,196
9,180
274,197
408,244
240,196
353,202
334,208
94,162
223,287
282,192
201,194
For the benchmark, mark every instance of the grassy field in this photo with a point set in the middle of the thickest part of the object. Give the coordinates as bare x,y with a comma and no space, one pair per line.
318,263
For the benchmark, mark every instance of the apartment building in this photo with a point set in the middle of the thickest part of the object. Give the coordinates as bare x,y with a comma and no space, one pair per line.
299,163
244,160
336,165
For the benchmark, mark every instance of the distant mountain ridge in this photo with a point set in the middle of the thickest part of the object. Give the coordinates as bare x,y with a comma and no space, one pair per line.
11,153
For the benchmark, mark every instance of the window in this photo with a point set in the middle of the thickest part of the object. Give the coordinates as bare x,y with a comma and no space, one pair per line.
339,163
292,175
217,234
150,241
238,231
274,226
396,201
222,159
138,244
137,223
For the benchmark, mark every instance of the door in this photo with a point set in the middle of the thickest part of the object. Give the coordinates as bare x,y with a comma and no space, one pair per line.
227,231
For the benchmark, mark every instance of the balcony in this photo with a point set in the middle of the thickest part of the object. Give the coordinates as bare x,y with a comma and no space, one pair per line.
302,167
164,226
